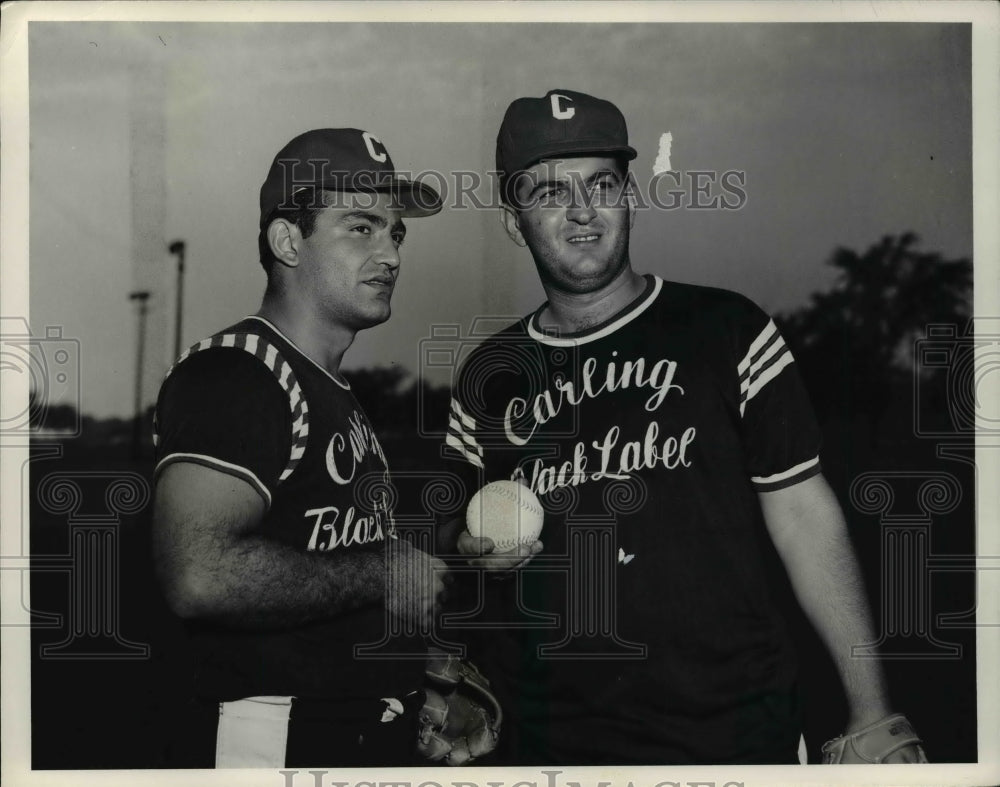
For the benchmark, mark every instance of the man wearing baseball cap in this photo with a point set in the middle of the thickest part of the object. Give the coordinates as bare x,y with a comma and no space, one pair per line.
273,530
665,431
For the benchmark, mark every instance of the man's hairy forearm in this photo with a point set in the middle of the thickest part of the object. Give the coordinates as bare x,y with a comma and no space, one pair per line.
256,582
215,563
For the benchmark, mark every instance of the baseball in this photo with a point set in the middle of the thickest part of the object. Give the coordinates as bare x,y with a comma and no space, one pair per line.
506,512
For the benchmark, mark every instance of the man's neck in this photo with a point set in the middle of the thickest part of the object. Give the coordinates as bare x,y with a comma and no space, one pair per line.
320,341
569,312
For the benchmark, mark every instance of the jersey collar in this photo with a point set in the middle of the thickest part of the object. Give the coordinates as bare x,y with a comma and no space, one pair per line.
653,286
342,383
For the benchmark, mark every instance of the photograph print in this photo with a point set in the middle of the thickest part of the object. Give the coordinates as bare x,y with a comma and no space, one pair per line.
470,387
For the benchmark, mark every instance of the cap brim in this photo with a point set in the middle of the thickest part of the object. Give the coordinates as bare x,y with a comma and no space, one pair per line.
418,199
576,148
415,199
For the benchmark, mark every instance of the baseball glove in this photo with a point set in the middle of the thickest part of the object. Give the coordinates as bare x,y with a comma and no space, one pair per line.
461,718
876,743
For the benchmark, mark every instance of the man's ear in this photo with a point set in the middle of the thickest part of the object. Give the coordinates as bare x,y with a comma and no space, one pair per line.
508,217
284,237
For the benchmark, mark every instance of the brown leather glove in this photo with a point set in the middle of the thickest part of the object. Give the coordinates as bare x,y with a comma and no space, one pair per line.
891,739
460,719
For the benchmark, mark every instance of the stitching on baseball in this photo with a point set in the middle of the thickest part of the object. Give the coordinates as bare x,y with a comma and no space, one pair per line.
526,504
521,501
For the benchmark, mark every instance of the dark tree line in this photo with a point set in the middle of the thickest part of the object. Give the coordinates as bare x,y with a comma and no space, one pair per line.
854,344
398,403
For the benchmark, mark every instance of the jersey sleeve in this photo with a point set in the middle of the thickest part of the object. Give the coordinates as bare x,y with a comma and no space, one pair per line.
780,433
465,451
461,439
223,408
467,431
463,448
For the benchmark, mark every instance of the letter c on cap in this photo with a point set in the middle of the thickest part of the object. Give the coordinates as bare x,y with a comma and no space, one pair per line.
370,144
558,112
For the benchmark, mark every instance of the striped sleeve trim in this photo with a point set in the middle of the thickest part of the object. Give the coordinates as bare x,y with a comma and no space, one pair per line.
461,435
266,352
767,356
787,478
455,443
217,464
467,420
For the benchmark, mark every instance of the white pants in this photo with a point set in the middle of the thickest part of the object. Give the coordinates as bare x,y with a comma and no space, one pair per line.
253,733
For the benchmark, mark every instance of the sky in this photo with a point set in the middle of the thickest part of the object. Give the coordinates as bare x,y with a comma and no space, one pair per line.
146,132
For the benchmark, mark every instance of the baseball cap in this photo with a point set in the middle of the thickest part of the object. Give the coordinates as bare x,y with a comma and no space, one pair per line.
341,159
563,123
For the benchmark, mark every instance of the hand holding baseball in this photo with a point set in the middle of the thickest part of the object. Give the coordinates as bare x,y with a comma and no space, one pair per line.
482,552
503,521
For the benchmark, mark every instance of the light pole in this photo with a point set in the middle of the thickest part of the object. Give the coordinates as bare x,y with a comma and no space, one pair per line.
177,247
142,296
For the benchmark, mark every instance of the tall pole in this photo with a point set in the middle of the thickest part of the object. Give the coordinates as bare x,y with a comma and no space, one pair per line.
177,247
142,296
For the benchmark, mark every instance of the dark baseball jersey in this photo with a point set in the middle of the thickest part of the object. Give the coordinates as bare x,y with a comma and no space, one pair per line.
247,402
644,633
